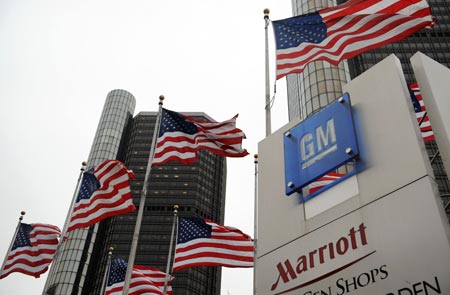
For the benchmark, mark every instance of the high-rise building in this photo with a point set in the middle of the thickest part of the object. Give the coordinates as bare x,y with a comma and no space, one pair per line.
434,43
68,271
198,189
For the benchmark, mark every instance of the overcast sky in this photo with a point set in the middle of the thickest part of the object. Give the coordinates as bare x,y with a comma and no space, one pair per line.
58,61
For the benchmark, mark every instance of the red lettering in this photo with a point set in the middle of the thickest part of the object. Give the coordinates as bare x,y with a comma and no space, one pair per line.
352,236
284,273
362,232
331,248
311,258
342,246
321,257
287,273
302,264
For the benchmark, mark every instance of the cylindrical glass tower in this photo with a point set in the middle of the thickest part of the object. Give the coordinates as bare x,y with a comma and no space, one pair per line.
320,83
69,268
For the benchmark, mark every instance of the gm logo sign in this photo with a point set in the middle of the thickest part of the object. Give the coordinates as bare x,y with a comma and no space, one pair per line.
315,146
320,144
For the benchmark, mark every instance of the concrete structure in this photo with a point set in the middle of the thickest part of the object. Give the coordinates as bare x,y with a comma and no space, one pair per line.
382,231
434,80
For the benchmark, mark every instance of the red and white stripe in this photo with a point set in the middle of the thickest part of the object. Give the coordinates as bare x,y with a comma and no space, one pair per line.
156,276
144,281
324,181
111,199
355,27
221,138
415,8
34,260
425,126
227,246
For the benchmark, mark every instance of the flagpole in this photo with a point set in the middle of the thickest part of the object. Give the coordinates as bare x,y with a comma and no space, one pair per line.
66,224
268,116
74,200
175,217
137,227
255,223
108,268
22,213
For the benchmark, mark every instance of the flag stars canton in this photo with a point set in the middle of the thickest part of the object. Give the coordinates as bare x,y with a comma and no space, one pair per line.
294,31
415,97
23,236
88,186
193,228
172,121
118,271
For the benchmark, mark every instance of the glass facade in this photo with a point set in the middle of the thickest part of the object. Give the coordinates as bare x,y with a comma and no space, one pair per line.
117,112
434,42
68,272
199,190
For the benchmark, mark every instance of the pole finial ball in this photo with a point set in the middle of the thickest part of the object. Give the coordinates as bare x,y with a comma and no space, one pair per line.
161,97
255,156
84,163
266,11
176,207
22,212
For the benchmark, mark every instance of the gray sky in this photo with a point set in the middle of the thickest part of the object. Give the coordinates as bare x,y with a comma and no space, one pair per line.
60,58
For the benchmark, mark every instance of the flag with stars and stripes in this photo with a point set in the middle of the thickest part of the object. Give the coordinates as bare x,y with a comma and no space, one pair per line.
104,192
33,249
419,108
202,242
324,181
181,137
144,280
344,31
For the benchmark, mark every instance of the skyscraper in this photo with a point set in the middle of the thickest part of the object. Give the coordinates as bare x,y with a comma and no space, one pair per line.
68,272
434,42
199,190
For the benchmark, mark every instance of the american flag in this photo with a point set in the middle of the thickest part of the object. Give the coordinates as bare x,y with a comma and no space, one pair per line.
344,31
33,249
324,181
419,108
144,280
202,242
104,192
181,137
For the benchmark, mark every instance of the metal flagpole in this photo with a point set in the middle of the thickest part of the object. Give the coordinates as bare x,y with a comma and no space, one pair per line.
74,200
66,224
268,117
137,227
108,268
22,213
175,217
255,223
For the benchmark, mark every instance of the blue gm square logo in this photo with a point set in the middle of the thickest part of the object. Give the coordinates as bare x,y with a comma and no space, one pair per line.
320,144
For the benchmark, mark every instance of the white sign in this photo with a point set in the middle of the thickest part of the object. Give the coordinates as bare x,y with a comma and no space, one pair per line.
382,231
